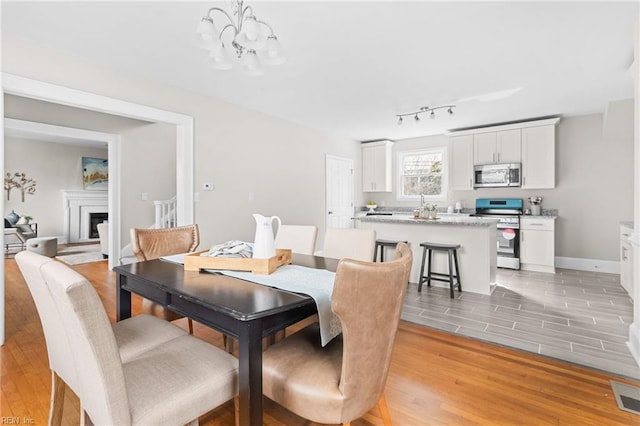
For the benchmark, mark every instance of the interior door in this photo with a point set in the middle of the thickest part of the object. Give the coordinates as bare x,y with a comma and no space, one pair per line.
339,192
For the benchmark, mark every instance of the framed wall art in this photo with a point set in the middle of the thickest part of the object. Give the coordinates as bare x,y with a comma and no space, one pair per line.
95,174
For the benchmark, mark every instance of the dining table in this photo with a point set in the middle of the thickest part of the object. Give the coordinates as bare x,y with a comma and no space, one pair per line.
242,309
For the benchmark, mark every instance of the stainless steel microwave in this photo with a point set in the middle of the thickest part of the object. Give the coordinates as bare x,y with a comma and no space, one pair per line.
496,175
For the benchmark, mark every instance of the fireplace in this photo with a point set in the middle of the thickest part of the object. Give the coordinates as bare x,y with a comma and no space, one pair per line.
80,208
94,220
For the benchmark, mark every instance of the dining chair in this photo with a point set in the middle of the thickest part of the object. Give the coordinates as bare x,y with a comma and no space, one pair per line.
299,238
134,336
352,243
149,244
343,380
172,384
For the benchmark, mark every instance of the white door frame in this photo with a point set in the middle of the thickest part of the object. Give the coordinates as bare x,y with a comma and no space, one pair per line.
25,87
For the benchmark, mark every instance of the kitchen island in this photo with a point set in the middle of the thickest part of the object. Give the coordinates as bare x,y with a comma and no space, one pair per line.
477,254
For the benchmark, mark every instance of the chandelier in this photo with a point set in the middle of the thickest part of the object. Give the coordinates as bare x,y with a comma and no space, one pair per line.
244,33
431,111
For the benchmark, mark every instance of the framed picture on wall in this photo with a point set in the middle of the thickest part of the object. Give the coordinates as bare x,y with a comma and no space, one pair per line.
95,174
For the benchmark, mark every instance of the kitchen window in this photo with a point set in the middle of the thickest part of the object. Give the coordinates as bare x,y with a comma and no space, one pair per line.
422,172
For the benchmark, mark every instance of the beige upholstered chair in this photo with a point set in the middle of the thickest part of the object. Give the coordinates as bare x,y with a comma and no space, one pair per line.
351,243
134,336
299,238
149,244
174,383
103,233
340,382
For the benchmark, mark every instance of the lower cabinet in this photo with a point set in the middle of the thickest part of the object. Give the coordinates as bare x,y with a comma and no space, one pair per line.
626,259
537,244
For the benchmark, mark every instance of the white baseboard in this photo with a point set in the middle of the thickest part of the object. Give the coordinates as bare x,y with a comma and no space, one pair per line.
593,265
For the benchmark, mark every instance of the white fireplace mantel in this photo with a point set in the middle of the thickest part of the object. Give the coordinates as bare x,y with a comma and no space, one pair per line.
78,205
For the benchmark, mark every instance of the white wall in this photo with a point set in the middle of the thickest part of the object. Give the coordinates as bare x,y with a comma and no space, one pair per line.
594,182
239,150
54,167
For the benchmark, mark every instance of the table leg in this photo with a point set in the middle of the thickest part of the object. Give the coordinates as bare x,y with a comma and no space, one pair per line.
123,299
250,373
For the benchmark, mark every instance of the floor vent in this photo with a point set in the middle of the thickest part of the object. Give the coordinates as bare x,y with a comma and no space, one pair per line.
627,397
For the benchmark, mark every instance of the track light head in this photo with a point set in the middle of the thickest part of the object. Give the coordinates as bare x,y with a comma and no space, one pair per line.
416,118
450,111
433,114
399,120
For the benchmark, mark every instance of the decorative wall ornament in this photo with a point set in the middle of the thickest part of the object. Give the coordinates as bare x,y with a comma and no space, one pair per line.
19,181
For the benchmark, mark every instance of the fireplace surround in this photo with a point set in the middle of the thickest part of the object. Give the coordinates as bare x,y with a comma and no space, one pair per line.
79,207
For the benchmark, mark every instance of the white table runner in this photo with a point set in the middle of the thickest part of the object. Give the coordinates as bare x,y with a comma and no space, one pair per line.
317,283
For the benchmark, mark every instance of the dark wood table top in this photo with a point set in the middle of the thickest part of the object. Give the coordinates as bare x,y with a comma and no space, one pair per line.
235,297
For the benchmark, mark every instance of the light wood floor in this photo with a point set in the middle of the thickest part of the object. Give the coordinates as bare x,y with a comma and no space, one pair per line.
435,378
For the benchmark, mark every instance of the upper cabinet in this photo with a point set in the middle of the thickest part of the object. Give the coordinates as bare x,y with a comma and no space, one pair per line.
462,152
539,157
376,166
497,147
531,143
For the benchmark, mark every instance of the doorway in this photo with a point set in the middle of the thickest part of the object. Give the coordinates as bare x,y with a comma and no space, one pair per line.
29,88
339,196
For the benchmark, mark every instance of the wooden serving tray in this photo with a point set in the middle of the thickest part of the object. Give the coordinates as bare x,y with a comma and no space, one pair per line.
195,262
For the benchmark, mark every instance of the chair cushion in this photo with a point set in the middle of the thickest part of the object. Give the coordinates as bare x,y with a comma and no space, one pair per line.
7,224
207,378
304,376
141,333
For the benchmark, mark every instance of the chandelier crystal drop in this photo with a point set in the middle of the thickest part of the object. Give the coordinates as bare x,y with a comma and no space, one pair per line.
246,36
430,110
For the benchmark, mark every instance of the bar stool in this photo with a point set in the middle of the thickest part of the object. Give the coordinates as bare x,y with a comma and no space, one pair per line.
381,244
452,252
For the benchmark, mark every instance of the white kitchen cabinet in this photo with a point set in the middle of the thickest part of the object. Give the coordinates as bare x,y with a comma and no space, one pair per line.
537,244
461,177
538,157
497,147
626,259
376,166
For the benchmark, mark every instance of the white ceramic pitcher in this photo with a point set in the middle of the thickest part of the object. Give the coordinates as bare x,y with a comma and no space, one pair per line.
264,245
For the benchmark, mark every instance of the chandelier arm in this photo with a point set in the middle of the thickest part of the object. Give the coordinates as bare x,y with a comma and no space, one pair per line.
266,25
224,12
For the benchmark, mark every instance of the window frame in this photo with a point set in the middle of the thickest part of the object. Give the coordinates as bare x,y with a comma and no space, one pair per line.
443,150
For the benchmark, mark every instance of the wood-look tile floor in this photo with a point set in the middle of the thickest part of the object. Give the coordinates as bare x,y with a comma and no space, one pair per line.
576,316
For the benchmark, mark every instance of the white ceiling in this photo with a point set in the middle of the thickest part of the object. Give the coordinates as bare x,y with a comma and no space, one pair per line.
353,65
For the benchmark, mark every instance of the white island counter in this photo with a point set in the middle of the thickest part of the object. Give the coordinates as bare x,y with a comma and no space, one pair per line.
477,254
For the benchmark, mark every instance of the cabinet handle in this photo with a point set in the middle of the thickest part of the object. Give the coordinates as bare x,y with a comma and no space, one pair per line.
498,157
493,157
522,236
536,224
624,253
625,235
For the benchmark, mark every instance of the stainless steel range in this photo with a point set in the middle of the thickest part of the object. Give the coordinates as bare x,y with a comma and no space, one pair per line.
508,212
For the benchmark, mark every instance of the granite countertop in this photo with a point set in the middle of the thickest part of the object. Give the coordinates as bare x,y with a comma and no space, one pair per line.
443,219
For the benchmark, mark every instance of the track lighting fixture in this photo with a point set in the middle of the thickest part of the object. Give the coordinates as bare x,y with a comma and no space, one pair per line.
431,111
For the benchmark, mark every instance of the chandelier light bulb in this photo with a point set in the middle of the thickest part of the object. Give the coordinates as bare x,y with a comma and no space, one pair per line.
251,35
206,35
251,64
219,59
274,54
